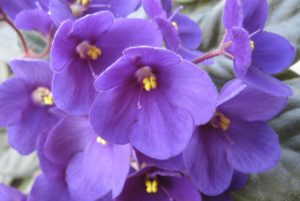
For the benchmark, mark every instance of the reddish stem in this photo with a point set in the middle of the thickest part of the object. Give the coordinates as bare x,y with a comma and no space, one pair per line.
20,35
220,51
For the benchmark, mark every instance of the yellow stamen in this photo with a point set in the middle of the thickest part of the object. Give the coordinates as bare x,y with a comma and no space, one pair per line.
220,121
94,52
85,2
151,186
101,141
150,83
43,96
252,44
175,24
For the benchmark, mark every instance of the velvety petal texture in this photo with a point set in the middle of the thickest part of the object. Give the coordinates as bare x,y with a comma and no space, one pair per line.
23,112
96,171
143,117
237,138
48,190
72,64
8,193
34,20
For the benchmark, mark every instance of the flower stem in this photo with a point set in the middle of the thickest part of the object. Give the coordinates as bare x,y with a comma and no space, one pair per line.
20,35
220,51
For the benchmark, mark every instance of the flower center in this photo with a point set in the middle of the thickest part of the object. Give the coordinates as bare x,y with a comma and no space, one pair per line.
252,44
101,140
85,2
175,24
42,96
220,121
88,51
151,186
147,78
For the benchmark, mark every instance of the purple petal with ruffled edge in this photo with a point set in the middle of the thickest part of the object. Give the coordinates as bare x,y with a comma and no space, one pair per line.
233,14
241,50
34,20
260,107
49,168
180,189
206,161
8,193
230,90
14,99
71,135
175,163
272,53
255,14
266,83
119,37
122,8
154,8
63,48
223,197
254,148
169,32
34,72
13,7
60,11
49,190
24,136
88,180
114,112
85,28
73,89
189,32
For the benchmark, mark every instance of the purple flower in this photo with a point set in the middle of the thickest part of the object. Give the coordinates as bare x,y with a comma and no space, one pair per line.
257,54
46,189
10,194
84,48
35,19
92,166
62,10
25,104
180,33
236,138
13,7
152,98
151,183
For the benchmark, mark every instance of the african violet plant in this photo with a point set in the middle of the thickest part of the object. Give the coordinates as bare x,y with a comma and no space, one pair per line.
120,108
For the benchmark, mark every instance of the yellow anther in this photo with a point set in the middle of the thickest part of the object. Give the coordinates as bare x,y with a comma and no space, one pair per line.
48,100
101,141
85,2
151,186
220,121
175,24
150,83
252,44
94,52
42,96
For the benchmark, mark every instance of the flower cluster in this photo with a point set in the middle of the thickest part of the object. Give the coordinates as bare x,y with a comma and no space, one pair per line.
118,108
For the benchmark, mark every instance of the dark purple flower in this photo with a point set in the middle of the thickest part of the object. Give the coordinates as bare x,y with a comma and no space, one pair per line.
84,48
152,98
180,33
25,103
46,189
257,54
236,138
92,166
150,183
8,193
62,10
